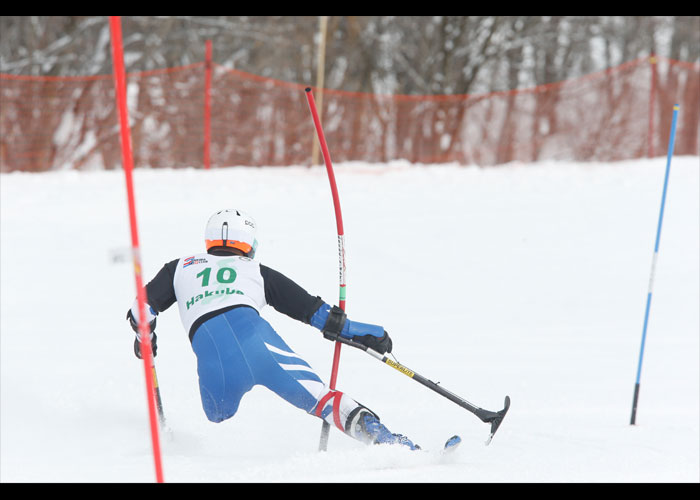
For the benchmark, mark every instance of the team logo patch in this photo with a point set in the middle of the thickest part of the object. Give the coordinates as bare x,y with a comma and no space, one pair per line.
191,260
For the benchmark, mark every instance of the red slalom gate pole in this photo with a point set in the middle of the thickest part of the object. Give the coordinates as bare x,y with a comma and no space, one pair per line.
325,429
146,350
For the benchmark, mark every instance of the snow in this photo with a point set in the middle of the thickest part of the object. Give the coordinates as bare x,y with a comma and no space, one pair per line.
521,280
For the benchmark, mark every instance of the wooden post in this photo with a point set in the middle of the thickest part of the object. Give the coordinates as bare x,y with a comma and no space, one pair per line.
207,105
320,73
652,101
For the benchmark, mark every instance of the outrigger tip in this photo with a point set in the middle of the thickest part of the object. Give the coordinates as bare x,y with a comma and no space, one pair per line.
496,422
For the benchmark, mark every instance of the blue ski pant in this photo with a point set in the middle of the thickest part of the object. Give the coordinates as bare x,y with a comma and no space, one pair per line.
238,349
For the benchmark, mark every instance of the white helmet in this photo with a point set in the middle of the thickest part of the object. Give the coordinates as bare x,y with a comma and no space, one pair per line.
232,228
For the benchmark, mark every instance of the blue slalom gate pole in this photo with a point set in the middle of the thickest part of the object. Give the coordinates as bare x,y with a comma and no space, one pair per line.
671,143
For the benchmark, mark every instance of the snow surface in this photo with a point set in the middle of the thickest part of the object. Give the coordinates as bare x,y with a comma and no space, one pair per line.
521,280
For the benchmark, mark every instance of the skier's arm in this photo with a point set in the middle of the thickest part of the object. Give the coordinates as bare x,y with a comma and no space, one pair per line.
160,294
291,299
288,297
160,291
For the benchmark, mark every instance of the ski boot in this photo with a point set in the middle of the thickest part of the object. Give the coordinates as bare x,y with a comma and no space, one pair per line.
373,431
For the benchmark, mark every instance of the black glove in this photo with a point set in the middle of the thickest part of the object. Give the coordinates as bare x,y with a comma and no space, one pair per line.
137,345
380,344
334,323
135,325
137,342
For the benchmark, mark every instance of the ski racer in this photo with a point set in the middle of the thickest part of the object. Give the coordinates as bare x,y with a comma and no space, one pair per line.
219,294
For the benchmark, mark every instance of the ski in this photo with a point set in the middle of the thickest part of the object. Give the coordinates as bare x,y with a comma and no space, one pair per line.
452,444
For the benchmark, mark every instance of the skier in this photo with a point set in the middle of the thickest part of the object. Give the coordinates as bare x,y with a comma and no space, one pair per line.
219,294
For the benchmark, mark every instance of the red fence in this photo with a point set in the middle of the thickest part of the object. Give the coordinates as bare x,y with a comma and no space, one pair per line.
70,122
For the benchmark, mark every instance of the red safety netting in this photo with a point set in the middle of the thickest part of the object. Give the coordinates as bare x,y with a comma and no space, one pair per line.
70,122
